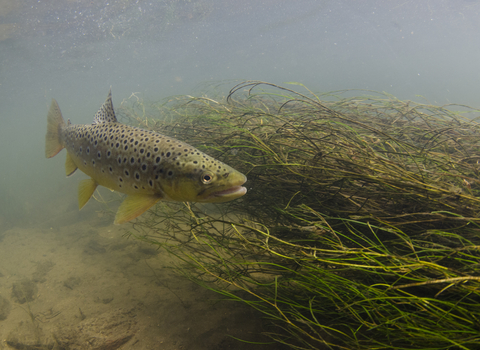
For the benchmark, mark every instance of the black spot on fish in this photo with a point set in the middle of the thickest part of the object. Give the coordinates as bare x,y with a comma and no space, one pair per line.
99,154
148,155
127,174
126,147
155,149
150,182
144,167
170,173
119,160
120,179
136,143
88,150
109,153
117,145
137,175
168,154
157,160
141,150
110,169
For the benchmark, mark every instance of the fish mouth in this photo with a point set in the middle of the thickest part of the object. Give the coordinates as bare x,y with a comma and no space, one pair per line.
235,191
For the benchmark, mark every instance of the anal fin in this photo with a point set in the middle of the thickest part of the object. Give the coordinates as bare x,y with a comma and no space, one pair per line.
133,206
85,191
70,166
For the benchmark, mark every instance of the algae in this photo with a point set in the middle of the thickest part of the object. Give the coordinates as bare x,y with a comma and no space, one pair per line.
360,228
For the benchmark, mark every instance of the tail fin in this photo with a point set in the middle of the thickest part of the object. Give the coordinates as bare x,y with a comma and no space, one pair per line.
55,124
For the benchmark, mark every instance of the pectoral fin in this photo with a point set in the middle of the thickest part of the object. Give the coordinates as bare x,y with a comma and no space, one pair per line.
55,123
70,166
85,191
133,206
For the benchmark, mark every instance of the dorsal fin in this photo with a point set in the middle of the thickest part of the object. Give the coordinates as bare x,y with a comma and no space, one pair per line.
106,114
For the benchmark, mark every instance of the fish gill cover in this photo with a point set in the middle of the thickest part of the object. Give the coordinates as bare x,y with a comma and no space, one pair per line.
360,229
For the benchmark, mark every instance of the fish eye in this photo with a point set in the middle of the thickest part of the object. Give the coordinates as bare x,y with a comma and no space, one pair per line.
207,178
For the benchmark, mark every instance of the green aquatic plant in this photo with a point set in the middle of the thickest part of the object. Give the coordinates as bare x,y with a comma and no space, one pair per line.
360,227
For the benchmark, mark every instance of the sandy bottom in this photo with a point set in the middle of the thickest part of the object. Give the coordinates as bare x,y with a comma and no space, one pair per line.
76,282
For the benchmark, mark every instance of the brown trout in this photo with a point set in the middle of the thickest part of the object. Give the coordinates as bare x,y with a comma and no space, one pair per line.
144,165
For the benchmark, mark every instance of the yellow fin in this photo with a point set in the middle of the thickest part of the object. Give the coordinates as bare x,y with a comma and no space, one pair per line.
70,166
85,191
133,206
54,123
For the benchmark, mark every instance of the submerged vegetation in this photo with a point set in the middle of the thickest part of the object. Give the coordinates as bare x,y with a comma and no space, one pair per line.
360,228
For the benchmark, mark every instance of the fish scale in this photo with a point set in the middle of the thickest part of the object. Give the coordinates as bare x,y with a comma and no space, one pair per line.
145,165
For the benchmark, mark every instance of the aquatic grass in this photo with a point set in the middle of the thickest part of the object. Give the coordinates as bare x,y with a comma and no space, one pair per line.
360,227
351,296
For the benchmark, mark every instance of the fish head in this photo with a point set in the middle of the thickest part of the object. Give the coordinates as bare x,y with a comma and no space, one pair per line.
213,184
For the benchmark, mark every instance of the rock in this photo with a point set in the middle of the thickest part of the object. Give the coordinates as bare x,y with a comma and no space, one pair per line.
109,331
93,247
24,291
71,282
28,336
5,308
41,271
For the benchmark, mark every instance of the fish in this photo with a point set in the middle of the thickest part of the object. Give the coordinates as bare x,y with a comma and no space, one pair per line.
143,164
